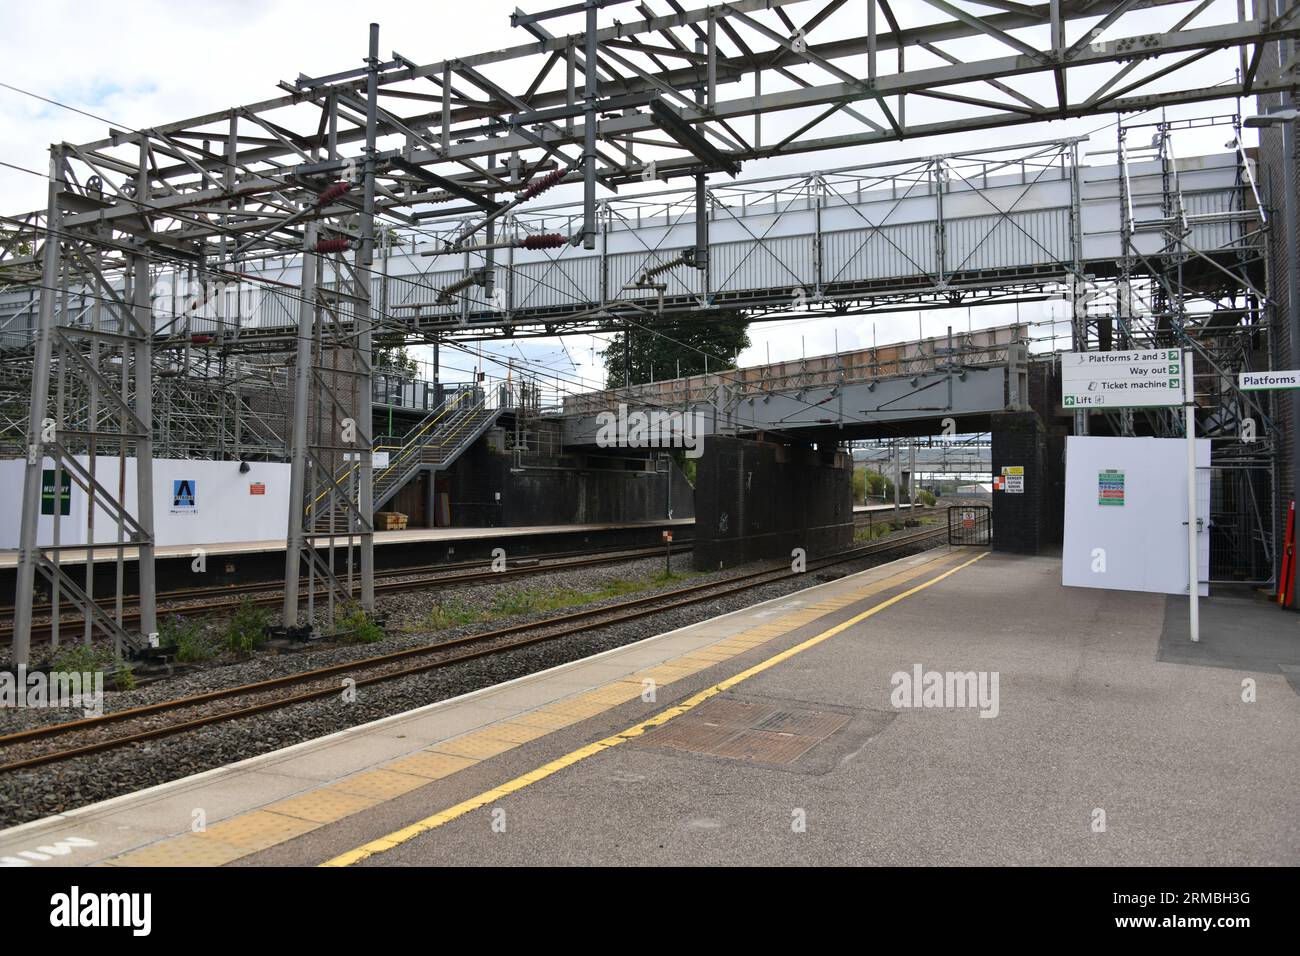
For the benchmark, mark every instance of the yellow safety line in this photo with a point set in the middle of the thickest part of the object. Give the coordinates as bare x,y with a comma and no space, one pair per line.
397,838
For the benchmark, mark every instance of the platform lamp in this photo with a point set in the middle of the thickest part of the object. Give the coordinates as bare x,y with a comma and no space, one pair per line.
1285,120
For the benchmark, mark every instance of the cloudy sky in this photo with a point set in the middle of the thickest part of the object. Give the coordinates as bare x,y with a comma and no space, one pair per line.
140,63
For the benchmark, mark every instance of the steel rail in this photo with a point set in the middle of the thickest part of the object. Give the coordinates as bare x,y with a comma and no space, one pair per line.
636,608
435,581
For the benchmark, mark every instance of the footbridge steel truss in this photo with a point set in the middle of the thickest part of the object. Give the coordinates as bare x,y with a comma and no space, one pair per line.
458,147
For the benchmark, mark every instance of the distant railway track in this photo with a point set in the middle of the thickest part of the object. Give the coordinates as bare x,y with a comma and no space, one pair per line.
145,723
219,599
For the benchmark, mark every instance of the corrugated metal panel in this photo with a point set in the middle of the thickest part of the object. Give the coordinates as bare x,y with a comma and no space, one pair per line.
1210,235
770,264
857,255
559,282
422,290
277,308
1004,242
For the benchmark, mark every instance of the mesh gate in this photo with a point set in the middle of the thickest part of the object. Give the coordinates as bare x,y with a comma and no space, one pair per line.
970,525
1242,534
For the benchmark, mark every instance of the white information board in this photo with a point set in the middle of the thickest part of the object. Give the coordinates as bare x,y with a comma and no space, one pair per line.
1126,514
1143,379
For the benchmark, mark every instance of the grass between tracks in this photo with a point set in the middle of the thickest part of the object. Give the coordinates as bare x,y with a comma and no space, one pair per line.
881,529
455,612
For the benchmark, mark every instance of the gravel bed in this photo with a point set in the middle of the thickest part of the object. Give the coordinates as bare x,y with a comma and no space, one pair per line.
72,629
31,794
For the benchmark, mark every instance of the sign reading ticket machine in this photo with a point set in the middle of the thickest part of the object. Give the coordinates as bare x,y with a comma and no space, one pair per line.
1130,522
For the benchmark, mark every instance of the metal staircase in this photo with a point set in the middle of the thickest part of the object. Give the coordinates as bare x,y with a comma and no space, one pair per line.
432,445
437,444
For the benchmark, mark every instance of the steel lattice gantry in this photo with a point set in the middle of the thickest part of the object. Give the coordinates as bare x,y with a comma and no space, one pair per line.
674,92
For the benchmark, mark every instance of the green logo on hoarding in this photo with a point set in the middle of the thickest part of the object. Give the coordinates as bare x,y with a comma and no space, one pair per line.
47,492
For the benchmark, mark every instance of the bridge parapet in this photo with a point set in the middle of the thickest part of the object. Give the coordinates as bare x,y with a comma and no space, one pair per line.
830,397
980,348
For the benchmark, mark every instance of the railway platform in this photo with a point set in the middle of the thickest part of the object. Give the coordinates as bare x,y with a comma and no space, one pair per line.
243,562
805,730
263,560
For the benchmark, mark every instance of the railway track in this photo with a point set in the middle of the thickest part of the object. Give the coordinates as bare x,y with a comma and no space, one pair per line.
88,736
225,598
219,599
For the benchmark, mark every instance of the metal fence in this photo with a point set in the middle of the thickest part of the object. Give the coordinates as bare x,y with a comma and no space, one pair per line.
970,525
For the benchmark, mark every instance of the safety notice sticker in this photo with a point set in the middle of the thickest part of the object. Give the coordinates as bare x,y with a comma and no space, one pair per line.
1013,479
1110,488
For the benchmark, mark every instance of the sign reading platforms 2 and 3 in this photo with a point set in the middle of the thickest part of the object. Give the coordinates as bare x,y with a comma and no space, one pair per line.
1143,379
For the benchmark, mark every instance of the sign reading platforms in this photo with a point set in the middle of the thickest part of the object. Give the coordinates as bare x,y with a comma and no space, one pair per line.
1269,381
1143,379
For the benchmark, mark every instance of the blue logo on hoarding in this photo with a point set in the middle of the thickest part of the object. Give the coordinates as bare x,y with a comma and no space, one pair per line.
184,493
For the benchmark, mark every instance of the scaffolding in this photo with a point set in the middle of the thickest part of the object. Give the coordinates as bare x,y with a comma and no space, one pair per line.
1193,275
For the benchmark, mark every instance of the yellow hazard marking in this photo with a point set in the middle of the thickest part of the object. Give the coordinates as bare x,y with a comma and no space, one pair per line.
323,805
392,840
187,850
379,784
479,745
430,765
257,830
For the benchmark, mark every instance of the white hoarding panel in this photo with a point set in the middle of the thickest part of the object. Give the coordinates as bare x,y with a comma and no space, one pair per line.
1126,514
194,502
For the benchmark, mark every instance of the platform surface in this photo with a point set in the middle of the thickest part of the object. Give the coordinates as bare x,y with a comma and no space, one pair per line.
9,558
772,738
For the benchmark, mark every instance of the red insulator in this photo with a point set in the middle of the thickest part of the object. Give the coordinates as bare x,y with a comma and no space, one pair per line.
200,339
334,192
332,245
541,185
543,240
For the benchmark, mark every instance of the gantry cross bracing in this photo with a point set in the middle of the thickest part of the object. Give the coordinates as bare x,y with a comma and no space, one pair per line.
936,458
469,141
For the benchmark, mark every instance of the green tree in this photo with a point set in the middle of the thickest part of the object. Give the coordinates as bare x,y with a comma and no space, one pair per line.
391,358
641,354
878,486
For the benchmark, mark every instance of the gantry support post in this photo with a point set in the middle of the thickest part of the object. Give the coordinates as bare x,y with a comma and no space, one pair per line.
143,371
365,338
28,552
589,134
295,542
